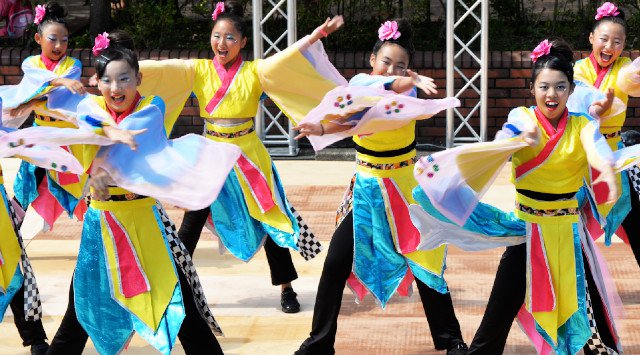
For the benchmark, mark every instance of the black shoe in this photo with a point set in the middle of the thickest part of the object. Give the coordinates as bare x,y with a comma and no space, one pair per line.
459,349
302,350
39,349
289,302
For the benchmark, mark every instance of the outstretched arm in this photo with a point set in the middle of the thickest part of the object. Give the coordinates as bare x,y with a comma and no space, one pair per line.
72,85
328,27
413,79
319,129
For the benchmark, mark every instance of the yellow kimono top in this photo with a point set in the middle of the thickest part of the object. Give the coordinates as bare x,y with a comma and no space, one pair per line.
292,81
295,83
584,71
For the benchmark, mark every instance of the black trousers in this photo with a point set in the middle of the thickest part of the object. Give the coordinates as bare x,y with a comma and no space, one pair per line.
444,326
279,259
31,332
195,335
507,297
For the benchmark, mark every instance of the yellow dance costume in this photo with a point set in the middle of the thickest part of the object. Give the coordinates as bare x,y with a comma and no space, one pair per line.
252,204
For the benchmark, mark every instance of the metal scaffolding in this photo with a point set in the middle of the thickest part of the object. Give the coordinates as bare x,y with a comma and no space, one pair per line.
271,125
467,124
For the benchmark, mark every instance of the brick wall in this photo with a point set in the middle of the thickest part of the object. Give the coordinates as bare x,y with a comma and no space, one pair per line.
508,82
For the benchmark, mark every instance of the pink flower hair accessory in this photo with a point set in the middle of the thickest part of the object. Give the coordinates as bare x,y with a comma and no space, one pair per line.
218,10
388,30
606,10
100,43
541,50
40,12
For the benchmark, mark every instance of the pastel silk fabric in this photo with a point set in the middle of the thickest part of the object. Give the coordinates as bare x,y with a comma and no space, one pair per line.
178,171
628,79
296,79
370,110
60,102
554,313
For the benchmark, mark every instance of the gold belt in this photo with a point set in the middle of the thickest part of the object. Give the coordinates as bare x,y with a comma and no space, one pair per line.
387,166
546,213
244,132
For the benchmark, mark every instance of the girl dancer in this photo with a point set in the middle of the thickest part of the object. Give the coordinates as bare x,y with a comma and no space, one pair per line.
51,88
603,69
252,208
552,279
125,279
366,249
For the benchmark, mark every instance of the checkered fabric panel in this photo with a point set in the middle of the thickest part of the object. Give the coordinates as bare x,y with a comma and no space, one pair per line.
32,302
308,244
634,175
595,344
183,259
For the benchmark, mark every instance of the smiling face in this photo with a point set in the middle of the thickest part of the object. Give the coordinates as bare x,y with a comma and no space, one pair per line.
53,40
607,42
226,42
119,85
390,60
551,90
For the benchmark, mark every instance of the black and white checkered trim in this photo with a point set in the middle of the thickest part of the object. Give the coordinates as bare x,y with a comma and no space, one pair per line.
183,259
308,245
32,302
634,176
595,344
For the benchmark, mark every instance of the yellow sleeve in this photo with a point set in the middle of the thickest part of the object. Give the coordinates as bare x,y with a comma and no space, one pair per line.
293,82
172,80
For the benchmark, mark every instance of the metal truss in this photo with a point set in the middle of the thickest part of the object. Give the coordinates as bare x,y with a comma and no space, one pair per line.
462,122
272,126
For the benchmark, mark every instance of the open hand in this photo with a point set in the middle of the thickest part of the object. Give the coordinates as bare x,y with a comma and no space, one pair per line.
123,136
422,82
598,108
309,129
531,137
74,86
330,25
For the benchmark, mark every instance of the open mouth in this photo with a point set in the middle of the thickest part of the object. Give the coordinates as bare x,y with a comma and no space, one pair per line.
223,53
551,105
605,57
117,99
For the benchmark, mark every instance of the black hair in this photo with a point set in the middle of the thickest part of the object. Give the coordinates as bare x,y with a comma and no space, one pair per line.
116,53
405,40
121,39
619,19
234,12
54,13
560,58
